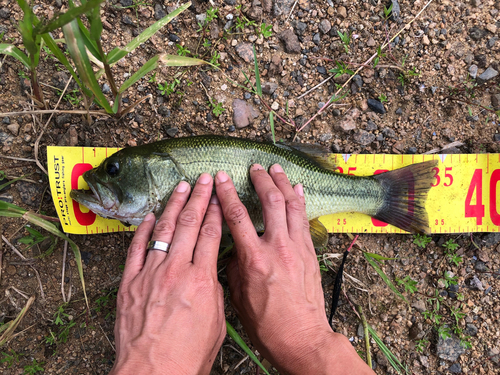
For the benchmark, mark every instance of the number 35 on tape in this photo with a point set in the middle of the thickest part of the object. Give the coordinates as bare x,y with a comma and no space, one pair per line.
463,197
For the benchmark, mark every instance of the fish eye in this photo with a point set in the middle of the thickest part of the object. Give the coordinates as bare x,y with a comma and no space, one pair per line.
112,168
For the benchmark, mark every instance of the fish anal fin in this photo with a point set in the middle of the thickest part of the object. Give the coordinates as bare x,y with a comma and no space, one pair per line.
319,234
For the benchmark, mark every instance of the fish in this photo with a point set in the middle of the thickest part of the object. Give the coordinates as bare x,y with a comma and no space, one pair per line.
137,180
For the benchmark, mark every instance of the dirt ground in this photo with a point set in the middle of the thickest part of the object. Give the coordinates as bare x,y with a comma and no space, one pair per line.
452,47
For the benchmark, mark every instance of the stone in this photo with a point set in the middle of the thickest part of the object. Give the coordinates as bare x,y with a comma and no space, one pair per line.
396,11
127,20
290,40
171,132
449,349
174,38
473,70
476,33
480,266
491,239
5,13
455,368
425,40
488,74
61,120
346,125
376,106
317,39
371,42
321,70
267,5
325,137
491,42
255,11
269,88
126,3
70,138
470,330
244,113
325,26
491,28
6,139
342,11
159,12
388,133
358,80
13,128
419,305
275,67
495,101
30,193
364,138
282,7
300,28
370,126
164,111
201,18
106,89
59,80
245,51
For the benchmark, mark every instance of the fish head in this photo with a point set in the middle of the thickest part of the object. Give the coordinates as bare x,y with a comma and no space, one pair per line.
122,187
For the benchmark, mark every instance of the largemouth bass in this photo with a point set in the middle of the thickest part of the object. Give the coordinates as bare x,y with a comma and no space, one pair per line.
137,180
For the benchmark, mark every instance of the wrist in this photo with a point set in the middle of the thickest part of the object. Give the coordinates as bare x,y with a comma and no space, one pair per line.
325,353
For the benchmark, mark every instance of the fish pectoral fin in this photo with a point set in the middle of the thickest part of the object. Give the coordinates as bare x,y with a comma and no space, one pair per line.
317,154
319,234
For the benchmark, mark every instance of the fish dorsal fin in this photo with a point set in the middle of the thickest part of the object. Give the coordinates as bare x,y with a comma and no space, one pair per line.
319,234
317,154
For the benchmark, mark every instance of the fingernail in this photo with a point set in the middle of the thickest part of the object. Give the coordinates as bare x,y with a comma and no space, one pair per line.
256,167
204,179
277,168
182,187
150,216
300,190
222,176
214,199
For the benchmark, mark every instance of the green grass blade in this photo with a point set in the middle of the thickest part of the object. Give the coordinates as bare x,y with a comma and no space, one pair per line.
384,277
9,49
393,360
92,47
10,210
176,60
78,53
150,65
271,122
378,257
257,74
117,53
237,338
67,17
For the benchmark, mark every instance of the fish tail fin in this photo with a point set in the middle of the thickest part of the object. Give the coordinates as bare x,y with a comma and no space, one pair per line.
405,193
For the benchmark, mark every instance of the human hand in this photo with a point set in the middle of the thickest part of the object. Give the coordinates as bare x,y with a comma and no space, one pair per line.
170,308
275,280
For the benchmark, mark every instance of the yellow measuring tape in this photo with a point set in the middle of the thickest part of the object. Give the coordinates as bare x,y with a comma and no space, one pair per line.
463,197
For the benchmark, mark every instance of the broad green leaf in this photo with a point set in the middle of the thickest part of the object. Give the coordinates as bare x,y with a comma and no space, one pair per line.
117,53
67,17
257,75
384,277
176,60
150,65
237,338
9,49
78,53
95,24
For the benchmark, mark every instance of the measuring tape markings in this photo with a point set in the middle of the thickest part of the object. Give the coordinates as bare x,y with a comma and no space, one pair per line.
463,197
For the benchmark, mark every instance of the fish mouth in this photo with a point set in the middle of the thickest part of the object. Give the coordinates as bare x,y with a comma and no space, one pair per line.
100,196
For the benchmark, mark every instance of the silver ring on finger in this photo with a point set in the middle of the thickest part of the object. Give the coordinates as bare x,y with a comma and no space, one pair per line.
158,245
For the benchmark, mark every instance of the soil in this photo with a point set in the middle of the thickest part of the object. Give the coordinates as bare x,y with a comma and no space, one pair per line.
452,47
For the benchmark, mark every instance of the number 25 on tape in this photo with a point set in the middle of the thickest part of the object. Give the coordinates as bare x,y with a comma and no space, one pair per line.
476,209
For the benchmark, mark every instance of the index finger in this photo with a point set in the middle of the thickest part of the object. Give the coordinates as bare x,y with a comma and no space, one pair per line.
235,213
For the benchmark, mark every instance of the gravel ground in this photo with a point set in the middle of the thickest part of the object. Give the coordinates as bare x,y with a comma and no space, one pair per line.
403,105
